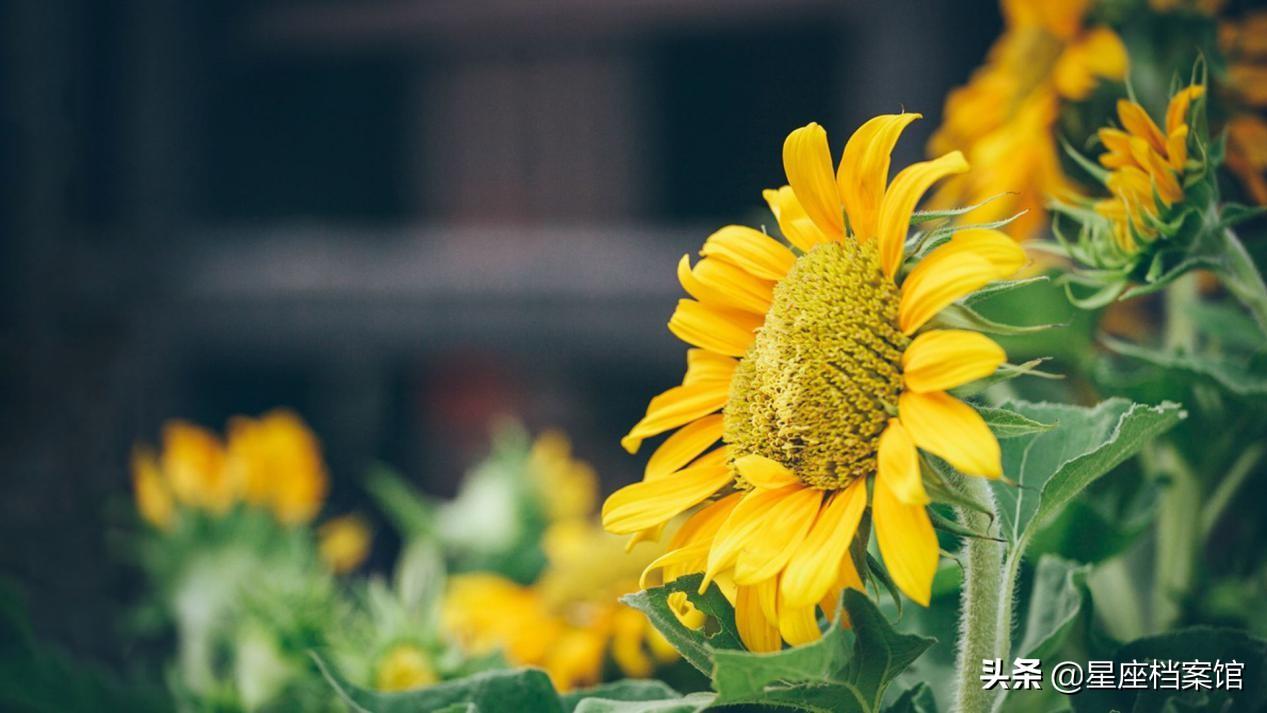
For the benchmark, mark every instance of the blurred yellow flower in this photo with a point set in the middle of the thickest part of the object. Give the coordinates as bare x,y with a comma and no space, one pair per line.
404,667
568,486
153,499
568,621
1146,167
276,461
1004,118
1244,43
344,543
194,465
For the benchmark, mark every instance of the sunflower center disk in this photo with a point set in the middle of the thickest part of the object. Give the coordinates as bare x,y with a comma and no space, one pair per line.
820,381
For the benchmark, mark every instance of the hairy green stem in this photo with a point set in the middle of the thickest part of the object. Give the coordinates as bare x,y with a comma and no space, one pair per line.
986,585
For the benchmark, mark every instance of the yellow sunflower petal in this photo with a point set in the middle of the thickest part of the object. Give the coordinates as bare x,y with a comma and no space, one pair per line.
788,523
703,525
724,331
934,284
794,223
947,427
675,407
648,503
1137,122
764,473
997,247
798,625
942,359
1180,103
746,522
813,569
684,446
907,543
897,463
899,201
756,632
864,169
721,284
1177,148
703,365
753,250
807,161
767,592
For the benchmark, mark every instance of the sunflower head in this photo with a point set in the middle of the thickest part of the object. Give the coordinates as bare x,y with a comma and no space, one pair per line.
344,542
404,667
822,356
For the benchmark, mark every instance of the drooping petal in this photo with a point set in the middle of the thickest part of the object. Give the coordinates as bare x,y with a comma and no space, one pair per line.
648,503
684,446
798,625
767,592
764,557
864,170
933,284
899,202
907,543
724,331
752,250
745,523
756,632
675,407
947,427
813,568
807,161
703,365
793,221
897,463
764,473
942,359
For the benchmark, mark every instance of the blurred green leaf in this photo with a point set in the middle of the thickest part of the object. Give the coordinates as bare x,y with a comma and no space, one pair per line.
522,689
626,691
916,699
1056,600
1194,644
1231,376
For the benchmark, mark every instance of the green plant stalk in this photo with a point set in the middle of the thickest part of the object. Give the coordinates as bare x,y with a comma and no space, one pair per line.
1242,279
986,585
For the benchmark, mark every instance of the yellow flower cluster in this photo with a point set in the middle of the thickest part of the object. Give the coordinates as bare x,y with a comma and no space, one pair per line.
273,462
1147,167
570,620
1004,119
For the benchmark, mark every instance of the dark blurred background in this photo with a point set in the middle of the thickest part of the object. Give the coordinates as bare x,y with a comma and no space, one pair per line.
401,218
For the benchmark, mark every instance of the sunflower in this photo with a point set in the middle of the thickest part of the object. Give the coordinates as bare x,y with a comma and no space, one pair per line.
276,462
568,622
1147,166
1005,117
822,359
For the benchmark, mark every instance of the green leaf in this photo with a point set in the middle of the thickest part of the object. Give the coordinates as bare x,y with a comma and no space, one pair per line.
1056,601
924,216
1051,468
1228,375
996,289
686,704
697,647
916,699
961,316
840,673
630,696
524,689
1193,644
1010,424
